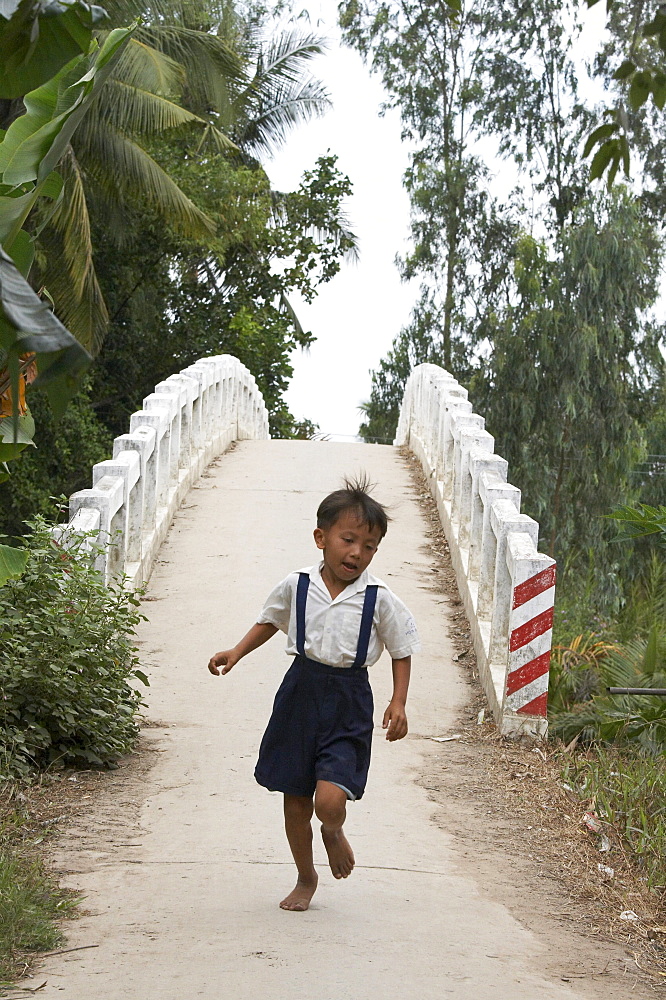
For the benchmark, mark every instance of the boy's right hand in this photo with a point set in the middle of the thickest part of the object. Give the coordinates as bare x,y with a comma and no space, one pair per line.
225,659
260,633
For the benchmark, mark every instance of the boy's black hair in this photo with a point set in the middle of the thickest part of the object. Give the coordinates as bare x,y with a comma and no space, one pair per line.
355,497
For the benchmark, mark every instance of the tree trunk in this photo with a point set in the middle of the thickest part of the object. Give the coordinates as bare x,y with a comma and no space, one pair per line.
449,298
11,108
557,495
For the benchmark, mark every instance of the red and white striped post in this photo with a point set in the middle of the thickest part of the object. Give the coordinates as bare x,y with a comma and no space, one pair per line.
530,632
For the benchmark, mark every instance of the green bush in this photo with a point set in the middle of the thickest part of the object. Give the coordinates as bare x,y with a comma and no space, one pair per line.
645,601
619,719
592,653
578,610
66,660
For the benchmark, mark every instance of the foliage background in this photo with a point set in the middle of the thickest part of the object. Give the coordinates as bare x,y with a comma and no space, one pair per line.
167,243
544,302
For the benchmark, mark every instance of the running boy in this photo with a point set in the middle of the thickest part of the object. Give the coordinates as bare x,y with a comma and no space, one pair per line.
338,618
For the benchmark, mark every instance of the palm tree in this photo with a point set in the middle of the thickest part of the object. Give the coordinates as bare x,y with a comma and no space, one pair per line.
180,70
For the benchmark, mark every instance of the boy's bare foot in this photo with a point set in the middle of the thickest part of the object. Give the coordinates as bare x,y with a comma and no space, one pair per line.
340,854
299,898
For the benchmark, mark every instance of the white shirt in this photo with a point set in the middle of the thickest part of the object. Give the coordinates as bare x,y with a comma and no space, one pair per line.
332,625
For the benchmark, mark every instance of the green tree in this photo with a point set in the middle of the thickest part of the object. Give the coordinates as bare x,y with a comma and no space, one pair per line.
532,107
413,346
564,388
494,71
179,290
178,76
32,341
428,56
559,348
634,67
643,125
174,300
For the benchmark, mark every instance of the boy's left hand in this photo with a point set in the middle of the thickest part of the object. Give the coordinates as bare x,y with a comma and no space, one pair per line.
395,721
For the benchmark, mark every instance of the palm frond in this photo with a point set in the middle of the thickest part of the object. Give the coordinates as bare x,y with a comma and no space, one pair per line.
342,235
140,112
204,15
144,66
84,312
300,334
279,206
72,223
120,165
118,217
582,722
622,718
215,139
87,317
281,93
212,70
271,114
286,54
635,663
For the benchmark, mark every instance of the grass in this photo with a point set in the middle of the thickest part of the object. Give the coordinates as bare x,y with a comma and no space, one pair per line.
31,903
621,774
627,792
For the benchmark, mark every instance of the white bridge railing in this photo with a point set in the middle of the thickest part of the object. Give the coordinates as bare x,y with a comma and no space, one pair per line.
507,586
185,423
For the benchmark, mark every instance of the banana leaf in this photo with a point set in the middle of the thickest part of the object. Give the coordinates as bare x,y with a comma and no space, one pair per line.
27,325
39,37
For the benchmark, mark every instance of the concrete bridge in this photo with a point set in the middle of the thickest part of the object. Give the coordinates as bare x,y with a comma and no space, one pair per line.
183,864
507,586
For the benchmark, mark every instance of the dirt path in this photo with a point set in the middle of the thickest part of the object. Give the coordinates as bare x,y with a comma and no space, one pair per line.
183,863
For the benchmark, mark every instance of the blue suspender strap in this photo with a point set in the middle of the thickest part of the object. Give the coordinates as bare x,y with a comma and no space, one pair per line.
301,600
366,625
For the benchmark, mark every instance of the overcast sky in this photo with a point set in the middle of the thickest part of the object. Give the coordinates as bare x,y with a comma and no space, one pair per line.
356,316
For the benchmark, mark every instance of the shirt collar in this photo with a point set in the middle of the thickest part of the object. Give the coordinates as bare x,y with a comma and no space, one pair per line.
355,587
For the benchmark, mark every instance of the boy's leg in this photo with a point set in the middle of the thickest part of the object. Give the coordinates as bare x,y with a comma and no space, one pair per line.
297,815
331,808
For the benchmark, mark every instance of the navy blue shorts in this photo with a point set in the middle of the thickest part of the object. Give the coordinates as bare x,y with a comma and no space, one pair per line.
320,730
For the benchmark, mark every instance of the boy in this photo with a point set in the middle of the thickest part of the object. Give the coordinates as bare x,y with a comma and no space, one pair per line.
338,618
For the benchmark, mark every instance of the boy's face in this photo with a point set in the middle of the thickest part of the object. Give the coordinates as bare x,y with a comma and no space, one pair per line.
348,546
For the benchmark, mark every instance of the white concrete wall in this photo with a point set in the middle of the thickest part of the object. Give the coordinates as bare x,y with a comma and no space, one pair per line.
507,586
189,420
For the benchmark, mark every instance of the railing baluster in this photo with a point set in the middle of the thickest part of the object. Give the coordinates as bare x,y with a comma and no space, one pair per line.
191,418
493,547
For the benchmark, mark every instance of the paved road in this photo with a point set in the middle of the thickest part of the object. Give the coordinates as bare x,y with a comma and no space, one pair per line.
183,897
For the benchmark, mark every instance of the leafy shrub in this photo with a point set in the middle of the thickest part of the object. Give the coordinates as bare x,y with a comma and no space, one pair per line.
578,609
606,718
66,659
645,600
575,671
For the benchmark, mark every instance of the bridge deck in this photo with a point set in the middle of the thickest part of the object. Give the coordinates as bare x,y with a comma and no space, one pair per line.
184,900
